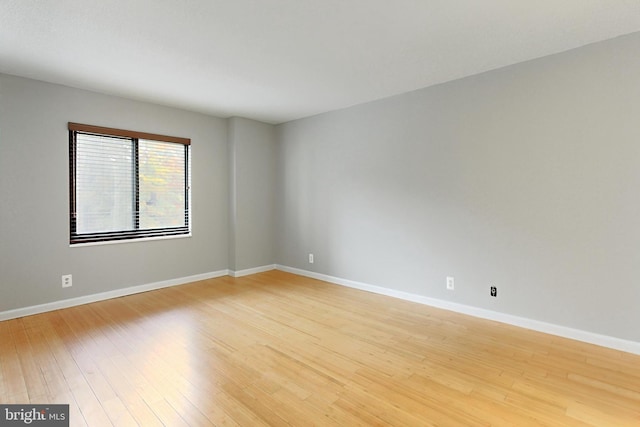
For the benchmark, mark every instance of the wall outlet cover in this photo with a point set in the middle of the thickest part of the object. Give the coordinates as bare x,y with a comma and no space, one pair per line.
450,283
67,281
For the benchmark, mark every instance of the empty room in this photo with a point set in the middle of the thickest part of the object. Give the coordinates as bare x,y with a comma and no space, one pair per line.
295,213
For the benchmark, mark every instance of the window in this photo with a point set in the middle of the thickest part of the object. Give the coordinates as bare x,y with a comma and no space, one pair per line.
127,185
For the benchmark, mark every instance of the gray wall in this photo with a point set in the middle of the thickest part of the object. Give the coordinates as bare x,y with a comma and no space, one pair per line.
526,178
34,191
252,157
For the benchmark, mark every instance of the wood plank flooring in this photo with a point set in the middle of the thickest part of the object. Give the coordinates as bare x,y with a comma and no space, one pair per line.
279,349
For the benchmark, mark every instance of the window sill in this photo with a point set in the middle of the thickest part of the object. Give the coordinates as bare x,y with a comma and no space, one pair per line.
119,242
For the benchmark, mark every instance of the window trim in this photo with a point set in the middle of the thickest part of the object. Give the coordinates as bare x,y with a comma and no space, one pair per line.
124,235
126,133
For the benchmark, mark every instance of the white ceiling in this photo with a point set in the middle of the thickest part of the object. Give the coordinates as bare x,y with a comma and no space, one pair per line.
278,60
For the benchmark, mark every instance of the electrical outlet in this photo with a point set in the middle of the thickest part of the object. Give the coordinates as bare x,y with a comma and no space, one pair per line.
494,291
67,281
310,258
450,283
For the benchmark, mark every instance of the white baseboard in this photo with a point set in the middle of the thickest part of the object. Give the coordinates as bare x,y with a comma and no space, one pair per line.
72,302
536,325
254,270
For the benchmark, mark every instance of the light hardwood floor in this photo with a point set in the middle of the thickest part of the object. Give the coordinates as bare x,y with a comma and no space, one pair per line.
280,349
